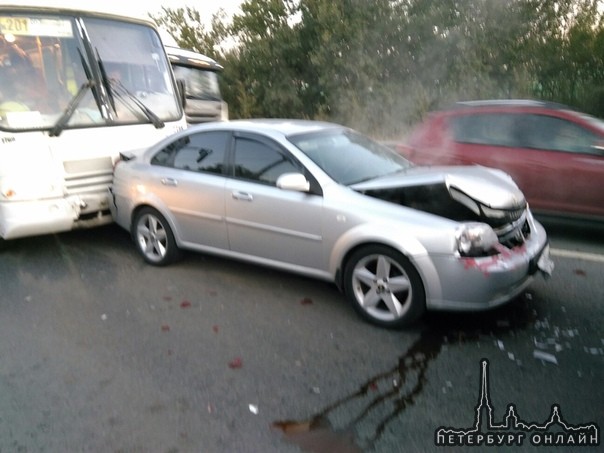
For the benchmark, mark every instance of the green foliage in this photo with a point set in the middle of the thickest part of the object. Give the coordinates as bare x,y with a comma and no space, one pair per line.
569,66
380,65
187,28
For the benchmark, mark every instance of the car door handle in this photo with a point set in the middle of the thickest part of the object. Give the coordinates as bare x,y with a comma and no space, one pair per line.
169,182
243,196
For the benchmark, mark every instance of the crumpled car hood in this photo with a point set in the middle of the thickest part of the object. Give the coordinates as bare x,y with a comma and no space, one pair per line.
489,187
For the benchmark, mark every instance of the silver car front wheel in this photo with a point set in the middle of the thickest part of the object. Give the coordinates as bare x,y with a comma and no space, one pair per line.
154,238
384,287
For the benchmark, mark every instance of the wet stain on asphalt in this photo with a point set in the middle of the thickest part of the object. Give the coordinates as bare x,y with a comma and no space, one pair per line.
384,397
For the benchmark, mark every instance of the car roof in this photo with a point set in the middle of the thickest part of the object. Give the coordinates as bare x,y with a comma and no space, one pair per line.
511,103
285,127
518,106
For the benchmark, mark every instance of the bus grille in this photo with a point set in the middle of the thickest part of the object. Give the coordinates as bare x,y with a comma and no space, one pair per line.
88,176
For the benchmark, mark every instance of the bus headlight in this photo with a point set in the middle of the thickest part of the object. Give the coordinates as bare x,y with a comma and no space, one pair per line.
27,189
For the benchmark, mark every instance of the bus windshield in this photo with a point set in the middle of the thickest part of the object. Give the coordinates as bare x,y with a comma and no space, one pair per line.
58,71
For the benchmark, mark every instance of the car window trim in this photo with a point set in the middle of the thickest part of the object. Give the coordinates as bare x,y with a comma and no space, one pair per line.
315,187
170,162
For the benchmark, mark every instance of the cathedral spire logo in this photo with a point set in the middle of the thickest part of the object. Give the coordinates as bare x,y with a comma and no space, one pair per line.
512,430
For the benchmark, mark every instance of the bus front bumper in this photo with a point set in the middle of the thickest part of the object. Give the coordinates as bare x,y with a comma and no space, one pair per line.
31,218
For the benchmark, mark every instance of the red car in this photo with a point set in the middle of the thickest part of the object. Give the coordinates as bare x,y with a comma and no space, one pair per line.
555,154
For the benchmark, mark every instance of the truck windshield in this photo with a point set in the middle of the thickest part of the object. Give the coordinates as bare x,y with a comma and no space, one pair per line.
45,60
201,84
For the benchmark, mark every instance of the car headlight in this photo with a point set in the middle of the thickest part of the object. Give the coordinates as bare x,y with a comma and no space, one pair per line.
476,239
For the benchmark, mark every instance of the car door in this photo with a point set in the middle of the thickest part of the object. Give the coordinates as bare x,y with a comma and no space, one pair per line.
263,220
190,182
490,139
509,141
571,166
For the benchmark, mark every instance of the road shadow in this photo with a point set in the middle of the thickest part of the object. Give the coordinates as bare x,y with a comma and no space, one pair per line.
385,396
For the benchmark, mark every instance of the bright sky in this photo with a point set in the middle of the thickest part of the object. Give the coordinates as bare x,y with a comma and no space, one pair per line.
205,7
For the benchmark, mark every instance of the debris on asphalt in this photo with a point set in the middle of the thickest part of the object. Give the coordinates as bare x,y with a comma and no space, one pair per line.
545,356
236,363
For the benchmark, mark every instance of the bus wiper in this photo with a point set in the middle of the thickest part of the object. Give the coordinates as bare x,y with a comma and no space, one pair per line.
122,93
105,80
92,81
71,107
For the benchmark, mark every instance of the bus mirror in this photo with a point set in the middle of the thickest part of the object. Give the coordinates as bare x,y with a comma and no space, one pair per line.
182,86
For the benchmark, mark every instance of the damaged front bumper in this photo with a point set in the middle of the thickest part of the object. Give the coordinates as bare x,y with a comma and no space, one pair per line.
480,283
30,218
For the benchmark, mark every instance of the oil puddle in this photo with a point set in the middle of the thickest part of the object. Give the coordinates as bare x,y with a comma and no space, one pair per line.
356,422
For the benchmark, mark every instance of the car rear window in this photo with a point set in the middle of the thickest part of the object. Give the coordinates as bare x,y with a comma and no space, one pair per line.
200,152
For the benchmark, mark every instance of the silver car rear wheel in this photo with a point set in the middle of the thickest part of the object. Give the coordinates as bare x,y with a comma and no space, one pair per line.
154,238
384,287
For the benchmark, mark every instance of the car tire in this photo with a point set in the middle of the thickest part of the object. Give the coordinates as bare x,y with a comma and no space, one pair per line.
384,287
154,238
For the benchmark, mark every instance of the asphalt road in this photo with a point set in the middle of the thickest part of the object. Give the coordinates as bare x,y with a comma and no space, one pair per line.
100,352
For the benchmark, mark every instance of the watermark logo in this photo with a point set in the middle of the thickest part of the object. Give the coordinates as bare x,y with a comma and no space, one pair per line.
555,431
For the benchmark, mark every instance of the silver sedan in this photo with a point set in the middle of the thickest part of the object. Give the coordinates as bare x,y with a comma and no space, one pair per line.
322,200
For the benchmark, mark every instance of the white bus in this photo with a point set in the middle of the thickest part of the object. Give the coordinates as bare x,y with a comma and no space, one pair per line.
77,87
203,100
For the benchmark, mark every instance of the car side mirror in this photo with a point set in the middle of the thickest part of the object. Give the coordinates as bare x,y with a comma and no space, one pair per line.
293,181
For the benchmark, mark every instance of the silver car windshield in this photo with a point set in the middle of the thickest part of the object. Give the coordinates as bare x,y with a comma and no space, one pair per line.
348,157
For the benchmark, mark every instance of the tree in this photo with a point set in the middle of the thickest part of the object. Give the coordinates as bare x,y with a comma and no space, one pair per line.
187,28
263,70
380,65
568,54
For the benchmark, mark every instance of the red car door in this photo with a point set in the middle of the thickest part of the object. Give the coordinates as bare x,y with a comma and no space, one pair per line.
553,159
